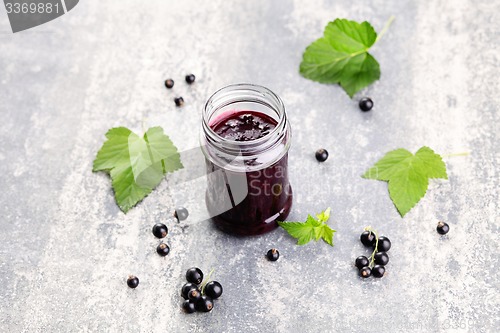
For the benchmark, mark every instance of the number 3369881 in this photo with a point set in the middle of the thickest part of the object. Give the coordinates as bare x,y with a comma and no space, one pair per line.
31,8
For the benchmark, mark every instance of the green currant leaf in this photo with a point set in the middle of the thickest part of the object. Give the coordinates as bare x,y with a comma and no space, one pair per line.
341,56
408,175
136,164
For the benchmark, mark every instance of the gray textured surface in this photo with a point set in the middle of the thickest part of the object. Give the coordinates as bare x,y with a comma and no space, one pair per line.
66,249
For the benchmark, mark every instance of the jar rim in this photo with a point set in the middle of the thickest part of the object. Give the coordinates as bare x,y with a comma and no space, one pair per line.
248,87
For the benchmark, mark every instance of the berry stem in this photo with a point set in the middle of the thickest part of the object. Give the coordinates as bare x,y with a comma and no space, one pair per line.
465,153
386,27
372,257
204,283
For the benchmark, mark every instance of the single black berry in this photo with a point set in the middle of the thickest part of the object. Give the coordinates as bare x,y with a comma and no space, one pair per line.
384,244
194,275
367,238
194,295
181,213
213,289
160,230
366,104
132,281
162,249
186,288
190,78
361,262
204,304
273,254
442,228
169,83
188,306
378,271
321,155
179,101
365,272
381,258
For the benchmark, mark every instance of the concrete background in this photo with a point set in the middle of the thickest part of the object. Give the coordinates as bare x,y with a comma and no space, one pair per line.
66,249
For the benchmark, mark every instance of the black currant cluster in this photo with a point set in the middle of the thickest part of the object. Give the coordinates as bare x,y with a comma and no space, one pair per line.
199,296
169,83
375,265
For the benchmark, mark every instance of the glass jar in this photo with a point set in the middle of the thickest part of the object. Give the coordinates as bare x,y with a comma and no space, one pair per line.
245,139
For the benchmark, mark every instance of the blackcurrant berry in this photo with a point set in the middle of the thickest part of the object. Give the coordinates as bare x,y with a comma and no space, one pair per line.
132,281
194,275
169,83
381,258
190,78
321,155
163,249
367,238
188,306
186,288
442,228
365,272
384,244
204,304
273,255
194,295
179,101
378,271
181,213
160,230
213,289
366,104
361,262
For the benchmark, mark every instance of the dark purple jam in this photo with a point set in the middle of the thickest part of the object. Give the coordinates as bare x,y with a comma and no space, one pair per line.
244,126
269,197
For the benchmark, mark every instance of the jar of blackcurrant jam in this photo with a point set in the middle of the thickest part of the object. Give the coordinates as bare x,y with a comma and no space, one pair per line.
245,139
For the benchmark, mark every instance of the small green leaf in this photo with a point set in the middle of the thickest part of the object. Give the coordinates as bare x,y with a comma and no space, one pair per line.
328,235
324,216
317,232
301,231
408,175
136,165
312,228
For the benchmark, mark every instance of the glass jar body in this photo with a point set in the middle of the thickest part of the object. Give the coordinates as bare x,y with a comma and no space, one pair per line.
248,188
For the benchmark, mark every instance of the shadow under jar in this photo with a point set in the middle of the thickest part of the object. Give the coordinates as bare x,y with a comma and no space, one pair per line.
245,139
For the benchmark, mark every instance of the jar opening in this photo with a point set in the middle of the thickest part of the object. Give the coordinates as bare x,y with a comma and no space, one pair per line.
239,99
243,97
